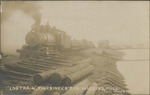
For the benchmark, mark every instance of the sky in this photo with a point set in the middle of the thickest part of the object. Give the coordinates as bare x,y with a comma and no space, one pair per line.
120,22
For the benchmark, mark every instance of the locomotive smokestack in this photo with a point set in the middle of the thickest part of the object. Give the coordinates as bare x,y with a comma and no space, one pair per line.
37,19
36,25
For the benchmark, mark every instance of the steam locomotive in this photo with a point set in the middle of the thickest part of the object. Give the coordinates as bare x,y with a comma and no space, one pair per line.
44,40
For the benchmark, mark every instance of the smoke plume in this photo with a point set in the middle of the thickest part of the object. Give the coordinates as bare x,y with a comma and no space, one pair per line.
17,17
29,8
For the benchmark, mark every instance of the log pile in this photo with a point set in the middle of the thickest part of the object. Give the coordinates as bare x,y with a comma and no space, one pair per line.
92,89
46,71
71,78
27,68
57,77
84,87
109,77
79,89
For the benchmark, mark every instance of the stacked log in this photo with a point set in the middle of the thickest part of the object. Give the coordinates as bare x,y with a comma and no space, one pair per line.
61,74
55,77
79,89
70,79
20,68
13,73
42,77
92,89
58,76
56,93
82,87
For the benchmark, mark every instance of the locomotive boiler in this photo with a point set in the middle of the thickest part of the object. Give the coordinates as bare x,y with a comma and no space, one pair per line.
37,39
44,40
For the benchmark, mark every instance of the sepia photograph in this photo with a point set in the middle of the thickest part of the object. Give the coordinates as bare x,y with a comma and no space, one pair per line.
74,47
